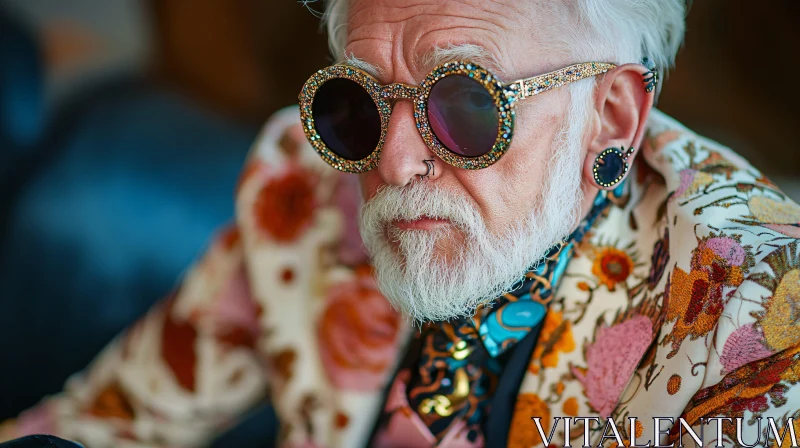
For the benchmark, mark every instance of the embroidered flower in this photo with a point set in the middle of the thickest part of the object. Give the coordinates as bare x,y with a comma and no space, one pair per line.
726,248
749,391
285,206
611,360
713,163
695,301
743,346
612,266
781,315
556,336
523,432
780,216
691,182
357,335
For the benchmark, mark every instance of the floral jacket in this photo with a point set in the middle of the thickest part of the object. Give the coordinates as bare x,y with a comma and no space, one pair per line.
682,301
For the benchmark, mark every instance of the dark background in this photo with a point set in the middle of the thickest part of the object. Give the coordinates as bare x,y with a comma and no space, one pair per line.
124,123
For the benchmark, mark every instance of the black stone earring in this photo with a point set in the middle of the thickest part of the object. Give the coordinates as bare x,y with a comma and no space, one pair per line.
611,166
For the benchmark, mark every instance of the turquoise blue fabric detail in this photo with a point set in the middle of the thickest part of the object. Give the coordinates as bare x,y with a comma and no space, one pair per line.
518,319
525,307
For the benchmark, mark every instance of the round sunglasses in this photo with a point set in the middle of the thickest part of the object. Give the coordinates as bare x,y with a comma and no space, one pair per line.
463,112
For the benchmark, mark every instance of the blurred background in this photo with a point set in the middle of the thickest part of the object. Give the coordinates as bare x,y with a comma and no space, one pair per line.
124,123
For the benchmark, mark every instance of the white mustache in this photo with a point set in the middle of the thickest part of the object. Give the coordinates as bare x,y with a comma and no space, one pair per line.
419,200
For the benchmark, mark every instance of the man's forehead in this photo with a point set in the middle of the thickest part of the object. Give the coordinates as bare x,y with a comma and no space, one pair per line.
434,57
398,38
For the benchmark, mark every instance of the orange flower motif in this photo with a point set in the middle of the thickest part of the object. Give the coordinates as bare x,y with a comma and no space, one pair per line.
638,429
284,207
752,389
612,266
674,384
688,293
557,337
178,338
341,420
357,335
696,298
571,407
112,402
523,432
283,363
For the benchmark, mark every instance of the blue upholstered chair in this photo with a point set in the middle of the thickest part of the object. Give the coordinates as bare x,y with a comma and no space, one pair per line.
103,204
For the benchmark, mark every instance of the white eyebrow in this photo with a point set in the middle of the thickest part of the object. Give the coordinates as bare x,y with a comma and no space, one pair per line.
437,56
460,52
351,60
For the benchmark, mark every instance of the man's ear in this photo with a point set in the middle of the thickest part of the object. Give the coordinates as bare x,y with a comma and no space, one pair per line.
621,108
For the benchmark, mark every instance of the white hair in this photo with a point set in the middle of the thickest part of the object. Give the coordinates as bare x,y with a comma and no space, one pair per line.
619,31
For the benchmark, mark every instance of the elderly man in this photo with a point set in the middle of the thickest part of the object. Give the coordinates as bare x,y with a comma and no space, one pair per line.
570,266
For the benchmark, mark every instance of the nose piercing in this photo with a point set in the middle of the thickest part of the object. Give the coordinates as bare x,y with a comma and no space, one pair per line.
431,169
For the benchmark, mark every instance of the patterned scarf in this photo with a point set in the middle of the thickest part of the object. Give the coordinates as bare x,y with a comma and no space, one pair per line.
460,360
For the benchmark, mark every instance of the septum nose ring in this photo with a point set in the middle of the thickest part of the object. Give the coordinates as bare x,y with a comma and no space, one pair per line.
431,169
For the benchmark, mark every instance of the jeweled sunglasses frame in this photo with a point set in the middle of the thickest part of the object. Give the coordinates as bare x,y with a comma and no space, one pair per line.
505,98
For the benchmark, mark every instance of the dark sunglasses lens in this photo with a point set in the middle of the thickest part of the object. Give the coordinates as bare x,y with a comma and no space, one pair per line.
346,118
463,115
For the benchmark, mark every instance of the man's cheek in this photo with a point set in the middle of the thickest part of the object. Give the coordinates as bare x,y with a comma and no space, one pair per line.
369,183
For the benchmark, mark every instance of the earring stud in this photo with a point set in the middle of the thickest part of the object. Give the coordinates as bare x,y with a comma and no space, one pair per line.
650,76
611,166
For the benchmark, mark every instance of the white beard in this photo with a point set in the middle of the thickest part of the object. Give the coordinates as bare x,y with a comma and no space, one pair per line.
426,286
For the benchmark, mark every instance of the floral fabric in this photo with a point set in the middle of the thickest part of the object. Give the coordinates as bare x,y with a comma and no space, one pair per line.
682,301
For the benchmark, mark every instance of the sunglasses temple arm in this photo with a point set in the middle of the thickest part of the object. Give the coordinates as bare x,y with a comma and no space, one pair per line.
524,88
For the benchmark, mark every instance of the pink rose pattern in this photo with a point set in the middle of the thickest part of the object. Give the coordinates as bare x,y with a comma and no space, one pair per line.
611,363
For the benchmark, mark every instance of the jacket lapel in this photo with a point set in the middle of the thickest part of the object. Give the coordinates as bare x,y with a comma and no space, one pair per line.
505,397
603,319
331,339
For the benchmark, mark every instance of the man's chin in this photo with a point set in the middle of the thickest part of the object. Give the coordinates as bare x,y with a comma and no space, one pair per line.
446,244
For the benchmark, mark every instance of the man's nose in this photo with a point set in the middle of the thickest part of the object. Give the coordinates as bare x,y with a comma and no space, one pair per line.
404,152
